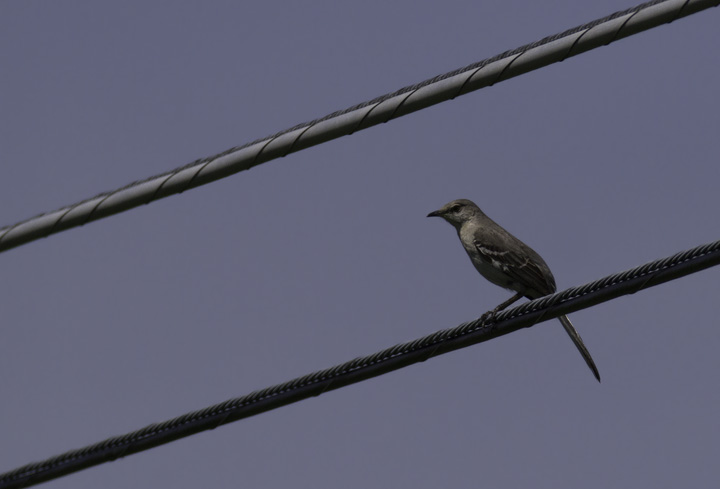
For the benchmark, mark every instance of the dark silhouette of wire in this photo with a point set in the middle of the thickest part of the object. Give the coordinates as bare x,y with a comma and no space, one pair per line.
359,369
378,110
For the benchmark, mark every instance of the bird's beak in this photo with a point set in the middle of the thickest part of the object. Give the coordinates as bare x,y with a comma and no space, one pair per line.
434,214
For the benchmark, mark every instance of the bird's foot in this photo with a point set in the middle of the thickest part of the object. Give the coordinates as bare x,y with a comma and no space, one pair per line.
488,317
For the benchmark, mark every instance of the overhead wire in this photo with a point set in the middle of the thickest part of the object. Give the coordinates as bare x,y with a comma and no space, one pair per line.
381,109
362,368
390,106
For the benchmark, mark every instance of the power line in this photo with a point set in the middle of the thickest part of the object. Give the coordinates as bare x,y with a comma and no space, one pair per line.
362,368
367,114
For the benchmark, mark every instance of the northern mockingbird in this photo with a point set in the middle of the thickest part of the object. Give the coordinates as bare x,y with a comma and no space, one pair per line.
505,261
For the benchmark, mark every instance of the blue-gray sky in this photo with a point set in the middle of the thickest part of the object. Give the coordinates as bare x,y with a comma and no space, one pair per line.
602,162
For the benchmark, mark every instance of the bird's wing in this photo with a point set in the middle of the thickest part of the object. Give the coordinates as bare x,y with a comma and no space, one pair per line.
520,268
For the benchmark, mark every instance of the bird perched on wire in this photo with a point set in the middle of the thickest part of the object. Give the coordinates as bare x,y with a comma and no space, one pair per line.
505,261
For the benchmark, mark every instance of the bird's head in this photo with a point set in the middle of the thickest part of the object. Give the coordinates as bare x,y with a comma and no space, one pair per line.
457,212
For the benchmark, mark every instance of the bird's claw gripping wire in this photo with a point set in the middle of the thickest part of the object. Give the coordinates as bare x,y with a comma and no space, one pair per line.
489,317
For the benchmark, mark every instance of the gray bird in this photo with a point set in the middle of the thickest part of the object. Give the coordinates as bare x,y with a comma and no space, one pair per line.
505,261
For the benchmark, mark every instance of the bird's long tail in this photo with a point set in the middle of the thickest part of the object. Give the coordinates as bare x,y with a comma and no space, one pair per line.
575,337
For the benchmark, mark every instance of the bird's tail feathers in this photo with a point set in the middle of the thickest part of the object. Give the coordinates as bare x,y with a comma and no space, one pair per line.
575,337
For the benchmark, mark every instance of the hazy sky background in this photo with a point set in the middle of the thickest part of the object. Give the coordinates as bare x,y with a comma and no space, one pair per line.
601,163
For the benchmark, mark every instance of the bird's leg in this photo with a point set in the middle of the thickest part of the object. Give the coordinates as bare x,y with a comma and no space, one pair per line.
490,315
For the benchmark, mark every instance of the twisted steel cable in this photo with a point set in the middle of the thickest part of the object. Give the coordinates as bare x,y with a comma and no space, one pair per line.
367,114
362,368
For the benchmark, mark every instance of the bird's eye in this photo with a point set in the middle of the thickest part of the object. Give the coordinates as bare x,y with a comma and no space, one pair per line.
455,209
